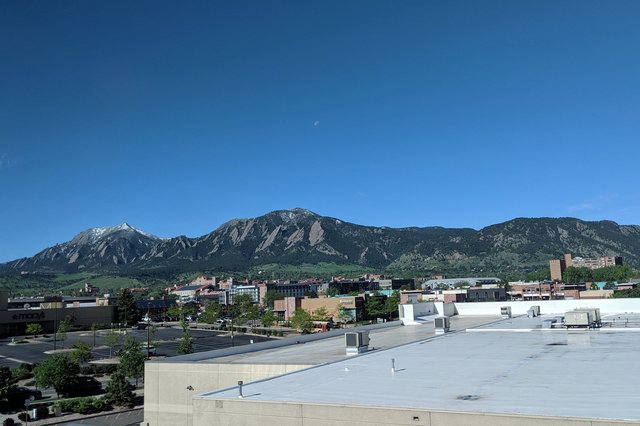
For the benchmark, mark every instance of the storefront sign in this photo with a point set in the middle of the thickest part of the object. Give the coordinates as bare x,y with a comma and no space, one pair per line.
29,316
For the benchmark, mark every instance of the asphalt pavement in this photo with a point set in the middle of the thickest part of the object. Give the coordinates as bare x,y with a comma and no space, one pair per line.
166,341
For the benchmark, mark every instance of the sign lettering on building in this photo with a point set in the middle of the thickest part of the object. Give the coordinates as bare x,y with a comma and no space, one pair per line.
29,316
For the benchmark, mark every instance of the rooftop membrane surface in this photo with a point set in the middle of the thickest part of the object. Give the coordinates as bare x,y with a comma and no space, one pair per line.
514,367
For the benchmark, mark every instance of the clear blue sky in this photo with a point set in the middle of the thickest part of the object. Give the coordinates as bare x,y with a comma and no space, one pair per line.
178,116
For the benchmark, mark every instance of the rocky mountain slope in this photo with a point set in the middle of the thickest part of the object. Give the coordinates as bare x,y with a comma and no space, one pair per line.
299,236
93,249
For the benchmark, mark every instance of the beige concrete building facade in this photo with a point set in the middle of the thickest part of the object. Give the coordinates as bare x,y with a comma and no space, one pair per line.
225,412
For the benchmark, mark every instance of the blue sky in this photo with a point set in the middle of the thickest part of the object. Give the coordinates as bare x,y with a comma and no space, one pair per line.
178,116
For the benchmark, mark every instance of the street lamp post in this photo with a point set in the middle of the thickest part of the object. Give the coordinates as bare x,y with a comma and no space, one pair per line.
148,329
55,324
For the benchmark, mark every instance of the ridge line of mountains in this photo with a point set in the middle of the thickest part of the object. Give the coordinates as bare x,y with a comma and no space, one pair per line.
301,237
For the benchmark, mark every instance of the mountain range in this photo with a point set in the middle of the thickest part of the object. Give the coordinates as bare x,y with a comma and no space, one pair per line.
301,237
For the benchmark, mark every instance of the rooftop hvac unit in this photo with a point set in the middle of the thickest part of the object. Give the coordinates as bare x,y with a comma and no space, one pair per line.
577,319
505,311
595,320
442,324
548,323
356,342
536,309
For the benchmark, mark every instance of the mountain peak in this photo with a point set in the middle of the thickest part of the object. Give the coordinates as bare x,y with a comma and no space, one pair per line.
124,226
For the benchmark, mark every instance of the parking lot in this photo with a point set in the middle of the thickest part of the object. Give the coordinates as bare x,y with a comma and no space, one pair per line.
166,341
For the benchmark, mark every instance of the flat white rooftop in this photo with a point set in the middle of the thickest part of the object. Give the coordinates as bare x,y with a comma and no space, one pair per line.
566,373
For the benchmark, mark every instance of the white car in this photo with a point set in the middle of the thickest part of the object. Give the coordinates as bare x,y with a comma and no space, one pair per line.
152,350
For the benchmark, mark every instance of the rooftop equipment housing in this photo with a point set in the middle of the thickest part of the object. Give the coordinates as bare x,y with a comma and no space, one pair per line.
442,324
356,342
584,317
505,311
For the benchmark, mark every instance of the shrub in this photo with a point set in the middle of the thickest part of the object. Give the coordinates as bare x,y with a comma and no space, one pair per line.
23,371
243,329
21,341
83,405
97,369
8,422
24,417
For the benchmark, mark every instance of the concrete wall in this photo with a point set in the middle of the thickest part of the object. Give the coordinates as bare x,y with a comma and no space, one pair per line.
265,413
607,306
410,312
167,399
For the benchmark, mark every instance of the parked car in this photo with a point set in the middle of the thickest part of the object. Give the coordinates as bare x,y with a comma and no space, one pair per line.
139,326
152,350
81,386
17,396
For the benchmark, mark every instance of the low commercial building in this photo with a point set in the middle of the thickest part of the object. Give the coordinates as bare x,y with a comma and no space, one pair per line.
13,322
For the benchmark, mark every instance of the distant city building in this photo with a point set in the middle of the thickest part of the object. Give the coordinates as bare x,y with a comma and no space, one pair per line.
227,297
451,282
558,266
89,288
190,291
396,284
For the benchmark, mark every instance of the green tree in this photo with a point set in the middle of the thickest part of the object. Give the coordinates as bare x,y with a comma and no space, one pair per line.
174,311
65,326
593,286
34,328
132,359
128,311
7,382
57,371
632,292
344,313
375,307
442,286
268,318
211,313
461,284
112,340
301,320
574,274
119,391
253,313
81,352
321,314
190,308
332,292
186,344
391,304
272,296
609,286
